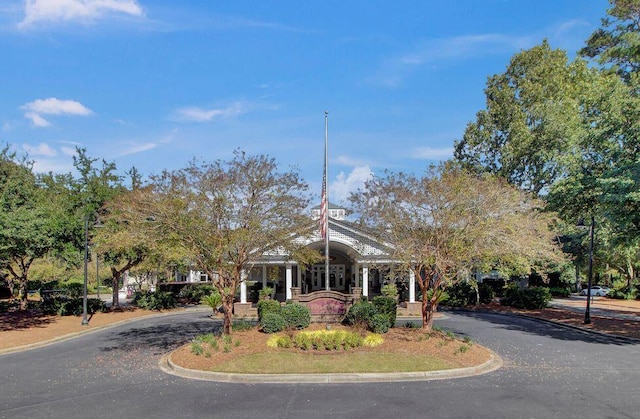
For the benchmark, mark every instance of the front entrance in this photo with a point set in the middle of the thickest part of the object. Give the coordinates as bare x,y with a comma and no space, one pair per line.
336,278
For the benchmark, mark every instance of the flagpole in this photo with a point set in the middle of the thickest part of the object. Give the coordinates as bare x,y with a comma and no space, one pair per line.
326,197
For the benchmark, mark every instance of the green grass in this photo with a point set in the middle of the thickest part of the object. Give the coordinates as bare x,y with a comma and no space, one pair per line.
282,362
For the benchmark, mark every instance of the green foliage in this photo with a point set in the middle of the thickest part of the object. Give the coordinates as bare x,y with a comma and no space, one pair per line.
159,300
73,289
487,293
360,315
241,325
265,293
195,292
379,323
562,292
267,306
460,294
329,340
296,316
272,322
213,300
71,306
378,316
389,290
529,298
388,307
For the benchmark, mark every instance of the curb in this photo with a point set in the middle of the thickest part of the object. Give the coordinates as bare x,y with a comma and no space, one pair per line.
169,367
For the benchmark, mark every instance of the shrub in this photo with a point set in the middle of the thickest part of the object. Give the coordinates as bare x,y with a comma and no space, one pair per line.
212,300
195,292
563,292
460,294
373,340
272,322
487,293
267,306
73,289
296,316
389,290
361,314
242,324
388,307
530,298
159,300
65,306
379,323
265,293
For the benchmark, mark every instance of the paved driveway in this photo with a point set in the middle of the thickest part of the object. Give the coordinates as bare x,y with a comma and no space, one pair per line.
549,372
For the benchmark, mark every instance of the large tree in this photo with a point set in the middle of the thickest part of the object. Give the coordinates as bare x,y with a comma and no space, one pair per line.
532,119
33,221
226,214
449,222
617,44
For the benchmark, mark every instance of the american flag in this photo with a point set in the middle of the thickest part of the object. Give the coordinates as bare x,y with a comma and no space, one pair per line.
323,208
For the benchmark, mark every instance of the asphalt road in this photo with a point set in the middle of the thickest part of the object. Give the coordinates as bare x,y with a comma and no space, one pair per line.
549,372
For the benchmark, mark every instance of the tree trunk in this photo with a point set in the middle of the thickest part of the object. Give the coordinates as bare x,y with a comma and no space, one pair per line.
428,310
115,283
22,292
227,308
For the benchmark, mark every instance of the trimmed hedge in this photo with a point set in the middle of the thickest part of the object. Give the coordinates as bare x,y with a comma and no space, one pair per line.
267,306
296,316
272,322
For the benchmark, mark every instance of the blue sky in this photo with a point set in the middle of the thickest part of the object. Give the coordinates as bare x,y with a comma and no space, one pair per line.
156,83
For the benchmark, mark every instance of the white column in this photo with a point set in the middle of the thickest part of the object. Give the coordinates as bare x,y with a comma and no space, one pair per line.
243,287
365,280
264,276
288,279
412,287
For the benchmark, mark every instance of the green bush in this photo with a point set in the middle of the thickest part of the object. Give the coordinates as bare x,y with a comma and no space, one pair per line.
389,290
530,298
193,293
487,293
73,289
66,306
159,300
296,316
562,292
272,322
267,306
622,294
380,323
361,314
388,307
460,294
213,300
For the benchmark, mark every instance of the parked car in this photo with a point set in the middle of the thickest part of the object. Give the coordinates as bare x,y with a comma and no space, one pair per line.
596,291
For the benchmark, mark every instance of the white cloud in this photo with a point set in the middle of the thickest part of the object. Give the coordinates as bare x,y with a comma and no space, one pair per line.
430,153
52,106
348,161
75,10
137,148
41,149
197,114
343,185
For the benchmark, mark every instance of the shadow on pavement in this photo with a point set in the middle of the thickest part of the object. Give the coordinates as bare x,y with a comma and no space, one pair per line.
162,338
24,320
543,328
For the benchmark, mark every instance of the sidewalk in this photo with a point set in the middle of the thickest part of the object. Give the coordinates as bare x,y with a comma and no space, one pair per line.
600,306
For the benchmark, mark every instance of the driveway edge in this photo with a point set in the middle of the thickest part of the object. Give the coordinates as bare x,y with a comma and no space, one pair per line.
169,367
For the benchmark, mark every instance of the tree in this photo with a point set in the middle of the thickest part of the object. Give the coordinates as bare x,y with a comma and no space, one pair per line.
450,221
226,214
617,44
532,119
32,221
